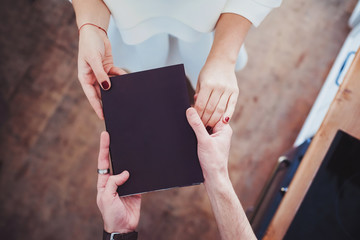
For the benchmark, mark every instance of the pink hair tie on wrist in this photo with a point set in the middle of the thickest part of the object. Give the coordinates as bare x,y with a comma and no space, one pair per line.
91,24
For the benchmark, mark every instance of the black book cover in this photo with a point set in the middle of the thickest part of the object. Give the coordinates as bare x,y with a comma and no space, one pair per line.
149,133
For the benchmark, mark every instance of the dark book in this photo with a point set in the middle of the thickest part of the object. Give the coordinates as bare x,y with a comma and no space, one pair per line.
149,133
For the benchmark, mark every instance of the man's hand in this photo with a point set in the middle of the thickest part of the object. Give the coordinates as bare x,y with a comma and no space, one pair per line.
120,214
213,150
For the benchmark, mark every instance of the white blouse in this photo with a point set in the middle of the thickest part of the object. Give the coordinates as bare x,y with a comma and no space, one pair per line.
138,20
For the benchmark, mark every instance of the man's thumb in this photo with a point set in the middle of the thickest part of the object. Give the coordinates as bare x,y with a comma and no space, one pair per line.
196,124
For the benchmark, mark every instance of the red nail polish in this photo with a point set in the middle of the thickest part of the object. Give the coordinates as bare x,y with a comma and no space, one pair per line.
105,85
226,119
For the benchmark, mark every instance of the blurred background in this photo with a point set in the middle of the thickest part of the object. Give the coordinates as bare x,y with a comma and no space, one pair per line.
49,135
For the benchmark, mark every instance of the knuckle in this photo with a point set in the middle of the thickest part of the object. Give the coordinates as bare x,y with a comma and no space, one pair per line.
211,85
220,110
197,123
110,180
92,58
200,105
211,122
209,110
221,87
234,89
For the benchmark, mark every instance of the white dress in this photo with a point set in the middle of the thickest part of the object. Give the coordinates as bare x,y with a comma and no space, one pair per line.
148,34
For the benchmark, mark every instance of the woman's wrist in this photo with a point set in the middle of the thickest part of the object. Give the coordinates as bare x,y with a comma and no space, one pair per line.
91,25
91,29
220,60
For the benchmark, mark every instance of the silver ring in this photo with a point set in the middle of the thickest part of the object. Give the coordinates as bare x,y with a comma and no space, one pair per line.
103,171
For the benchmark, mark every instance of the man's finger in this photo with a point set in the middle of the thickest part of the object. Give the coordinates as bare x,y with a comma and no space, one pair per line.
103,159
94,99
201,100
219,111
99,72
196,124
115,181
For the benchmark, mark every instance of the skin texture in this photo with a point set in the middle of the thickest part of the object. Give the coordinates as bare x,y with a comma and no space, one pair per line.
95,60
213,152
216,92
120,214
95,64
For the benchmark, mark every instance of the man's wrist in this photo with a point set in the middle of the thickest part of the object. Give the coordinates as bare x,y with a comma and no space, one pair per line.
216,180
120,236
111,229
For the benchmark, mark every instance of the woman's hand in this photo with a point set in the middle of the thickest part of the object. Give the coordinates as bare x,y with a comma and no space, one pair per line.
216,92
95,63
120,214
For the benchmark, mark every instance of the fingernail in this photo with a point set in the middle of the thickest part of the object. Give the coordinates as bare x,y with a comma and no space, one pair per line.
105,85
209,129
226,119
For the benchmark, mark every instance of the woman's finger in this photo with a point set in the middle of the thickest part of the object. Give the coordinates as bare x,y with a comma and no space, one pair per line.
94,98
202,99
98,91
211,106
219,110
230,107
116,71
114,181
99,72
103,160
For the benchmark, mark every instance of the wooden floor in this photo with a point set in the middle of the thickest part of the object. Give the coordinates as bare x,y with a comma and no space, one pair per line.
49,135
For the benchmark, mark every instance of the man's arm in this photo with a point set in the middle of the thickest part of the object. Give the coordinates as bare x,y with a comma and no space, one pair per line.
213,152
229,214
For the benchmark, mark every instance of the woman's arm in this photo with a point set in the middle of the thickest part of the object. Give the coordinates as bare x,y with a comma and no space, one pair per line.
230,32
217,90
95,61
91,11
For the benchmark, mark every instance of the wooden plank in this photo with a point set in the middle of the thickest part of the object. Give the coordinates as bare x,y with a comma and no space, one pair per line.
344,114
